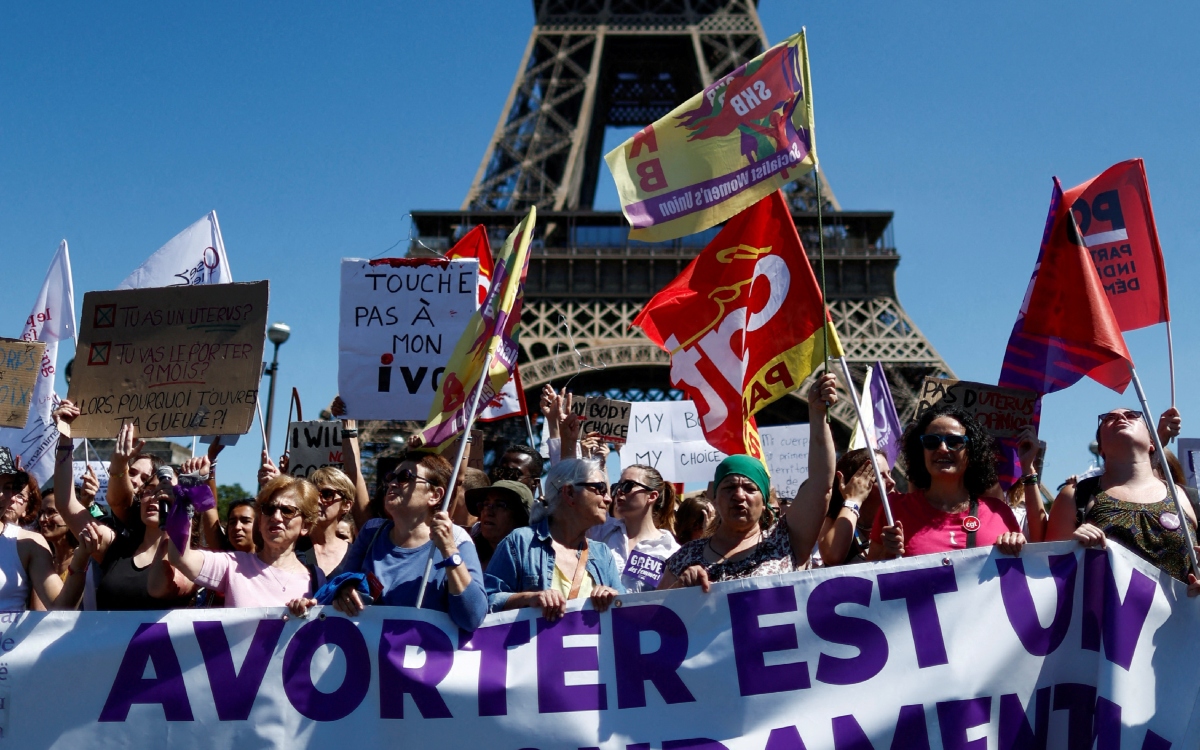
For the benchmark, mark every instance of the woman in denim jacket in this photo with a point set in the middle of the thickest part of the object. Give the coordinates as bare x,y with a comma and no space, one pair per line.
552,560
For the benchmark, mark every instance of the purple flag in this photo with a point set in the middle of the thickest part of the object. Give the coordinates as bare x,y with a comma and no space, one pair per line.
879,411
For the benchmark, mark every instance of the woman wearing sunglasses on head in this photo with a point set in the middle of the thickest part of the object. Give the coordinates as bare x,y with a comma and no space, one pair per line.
272,577
640,533
750,539
552,561
1128,503
951,461
386,563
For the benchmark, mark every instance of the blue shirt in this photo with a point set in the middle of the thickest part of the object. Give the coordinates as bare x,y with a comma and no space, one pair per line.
400,571
524,561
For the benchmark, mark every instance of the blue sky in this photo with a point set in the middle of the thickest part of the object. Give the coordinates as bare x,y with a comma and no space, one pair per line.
313,130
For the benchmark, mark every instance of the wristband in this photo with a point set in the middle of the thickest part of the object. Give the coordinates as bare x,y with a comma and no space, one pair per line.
71,570
116,474
1029,479
62,447
854,508
350,433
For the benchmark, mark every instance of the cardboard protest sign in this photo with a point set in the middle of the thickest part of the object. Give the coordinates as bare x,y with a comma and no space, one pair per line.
400,318
100,469
314,445
173,361
785,448
20,363
1000,411
604,415
667,435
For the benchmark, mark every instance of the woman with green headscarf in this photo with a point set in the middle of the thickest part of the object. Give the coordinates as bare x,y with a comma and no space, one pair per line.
749,539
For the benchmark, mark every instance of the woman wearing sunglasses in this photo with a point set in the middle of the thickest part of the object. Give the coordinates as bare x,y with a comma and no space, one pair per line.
551,562
322,549
640,531
1128,503
272,577
388,557
749,539
951,461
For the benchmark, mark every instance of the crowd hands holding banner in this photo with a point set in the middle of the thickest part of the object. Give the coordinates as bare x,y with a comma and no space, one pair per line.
510,538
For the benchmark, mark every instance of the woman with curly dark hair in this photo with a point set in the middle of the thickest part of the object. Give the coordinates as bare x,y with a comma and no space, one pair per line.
951,461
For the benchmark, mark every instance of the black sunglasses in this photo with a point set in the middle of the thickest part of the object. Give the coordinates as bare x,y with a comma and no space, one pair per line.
331,495
626,486
600,488
287,512
1112,416
404,476
952,442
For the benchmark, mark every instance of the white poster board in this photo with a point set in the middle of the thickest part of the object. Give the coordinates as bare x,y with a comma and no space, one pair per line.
785,447
667,435
100,469
400,319
312,446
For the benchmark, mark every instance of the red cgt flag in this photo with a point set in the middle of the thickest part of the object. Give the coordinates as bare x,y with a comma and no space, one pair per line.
743,323
1116,222
474,244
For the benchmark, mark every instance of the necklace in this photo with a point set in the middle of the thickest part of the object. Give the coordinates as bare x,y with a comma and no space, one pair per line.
724,558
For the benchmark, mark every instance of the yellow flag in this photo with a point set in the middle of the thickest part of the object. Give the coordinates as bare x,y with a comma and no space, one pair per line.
721,151
491,334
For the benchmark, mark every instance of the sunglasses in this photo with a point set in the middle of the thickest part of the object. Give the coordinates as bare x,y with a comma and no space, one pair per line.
286,512
1112,416
600,488
628,486
952,442
330,495
406,476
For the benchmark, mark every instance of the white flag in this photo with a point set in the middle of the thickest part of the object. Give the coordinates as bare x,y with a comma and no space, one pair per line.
52,321
194,256
858,439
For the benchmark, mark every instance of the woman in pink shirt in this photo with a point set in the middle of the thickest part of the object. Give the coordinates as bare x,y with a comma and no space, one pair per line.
274,576
951,461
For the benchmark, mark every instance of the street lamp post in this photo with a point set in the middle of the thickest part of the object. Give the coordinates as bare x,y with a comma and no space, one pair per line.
276,334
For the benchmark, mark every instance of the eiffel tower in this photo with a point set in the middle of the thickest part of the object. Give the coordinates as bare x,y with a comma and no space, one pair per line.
594,64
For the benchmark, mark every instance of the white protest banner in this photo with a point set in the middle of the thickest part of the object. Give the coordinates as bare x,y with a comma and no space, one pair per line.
667,435
400,319
170,360
52,320
100,469
193,257
314,445
20,365
966,650
785,448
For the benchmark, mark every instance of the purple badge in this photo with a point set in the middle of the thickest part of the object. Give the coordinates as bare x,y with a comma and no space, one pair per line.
1169,520
645,568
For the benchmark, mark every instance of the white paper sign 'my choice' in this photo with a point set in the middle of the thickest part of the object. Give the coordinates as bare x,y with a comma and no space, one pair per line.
667,435
400,319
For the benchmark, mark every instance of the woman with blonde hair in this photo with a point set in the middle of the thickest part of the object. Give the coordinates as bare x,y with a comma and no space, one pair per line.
640,531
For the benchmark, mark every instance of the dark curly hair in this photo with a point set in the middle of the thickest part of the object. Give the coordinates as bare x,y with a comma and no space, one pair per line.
981,451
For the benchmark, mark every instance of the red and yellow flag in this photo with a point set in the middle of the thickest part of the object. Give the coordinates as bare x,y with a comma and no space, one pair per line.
744,323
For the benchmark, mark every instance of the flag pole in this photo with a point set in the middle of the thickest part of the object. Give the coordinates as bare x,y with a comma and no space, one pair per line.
1162,458
462,449
824,298
1171,362
871,449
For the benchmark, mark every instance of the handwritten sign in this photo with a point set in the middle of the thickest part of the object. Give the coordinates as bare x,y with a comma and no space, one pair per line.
1000,411
172,361
604,415
314,445
785,447
20,363
667,435
400,320
100,468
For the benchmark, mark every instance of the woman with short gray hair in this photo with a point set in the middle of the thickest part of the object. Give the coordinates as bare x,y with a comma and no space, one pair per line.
552,561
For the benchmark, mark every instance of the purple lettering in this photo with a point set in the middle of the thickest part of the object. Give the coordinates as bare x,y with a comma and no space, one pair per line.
1122,620
862,634
917,588
1015,732
785,738
493,644
1107,725
554,660
420,682
751,642
1079,701
234,692
698,743
1019,606
1154,742
911,730
660,667
151,644
848,735
297,669
956,717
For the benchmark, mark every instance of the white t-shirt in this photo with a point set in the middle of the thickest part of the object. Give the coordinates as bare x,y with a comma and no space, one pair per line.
642,567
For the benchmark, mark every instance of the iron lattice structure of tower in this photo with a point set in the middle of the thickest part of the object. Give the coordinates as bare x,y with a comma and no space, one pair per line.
594,64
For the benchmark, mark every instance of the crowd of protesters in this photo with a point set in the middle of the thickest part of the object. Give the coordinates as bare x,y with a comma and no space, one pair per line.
524,536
